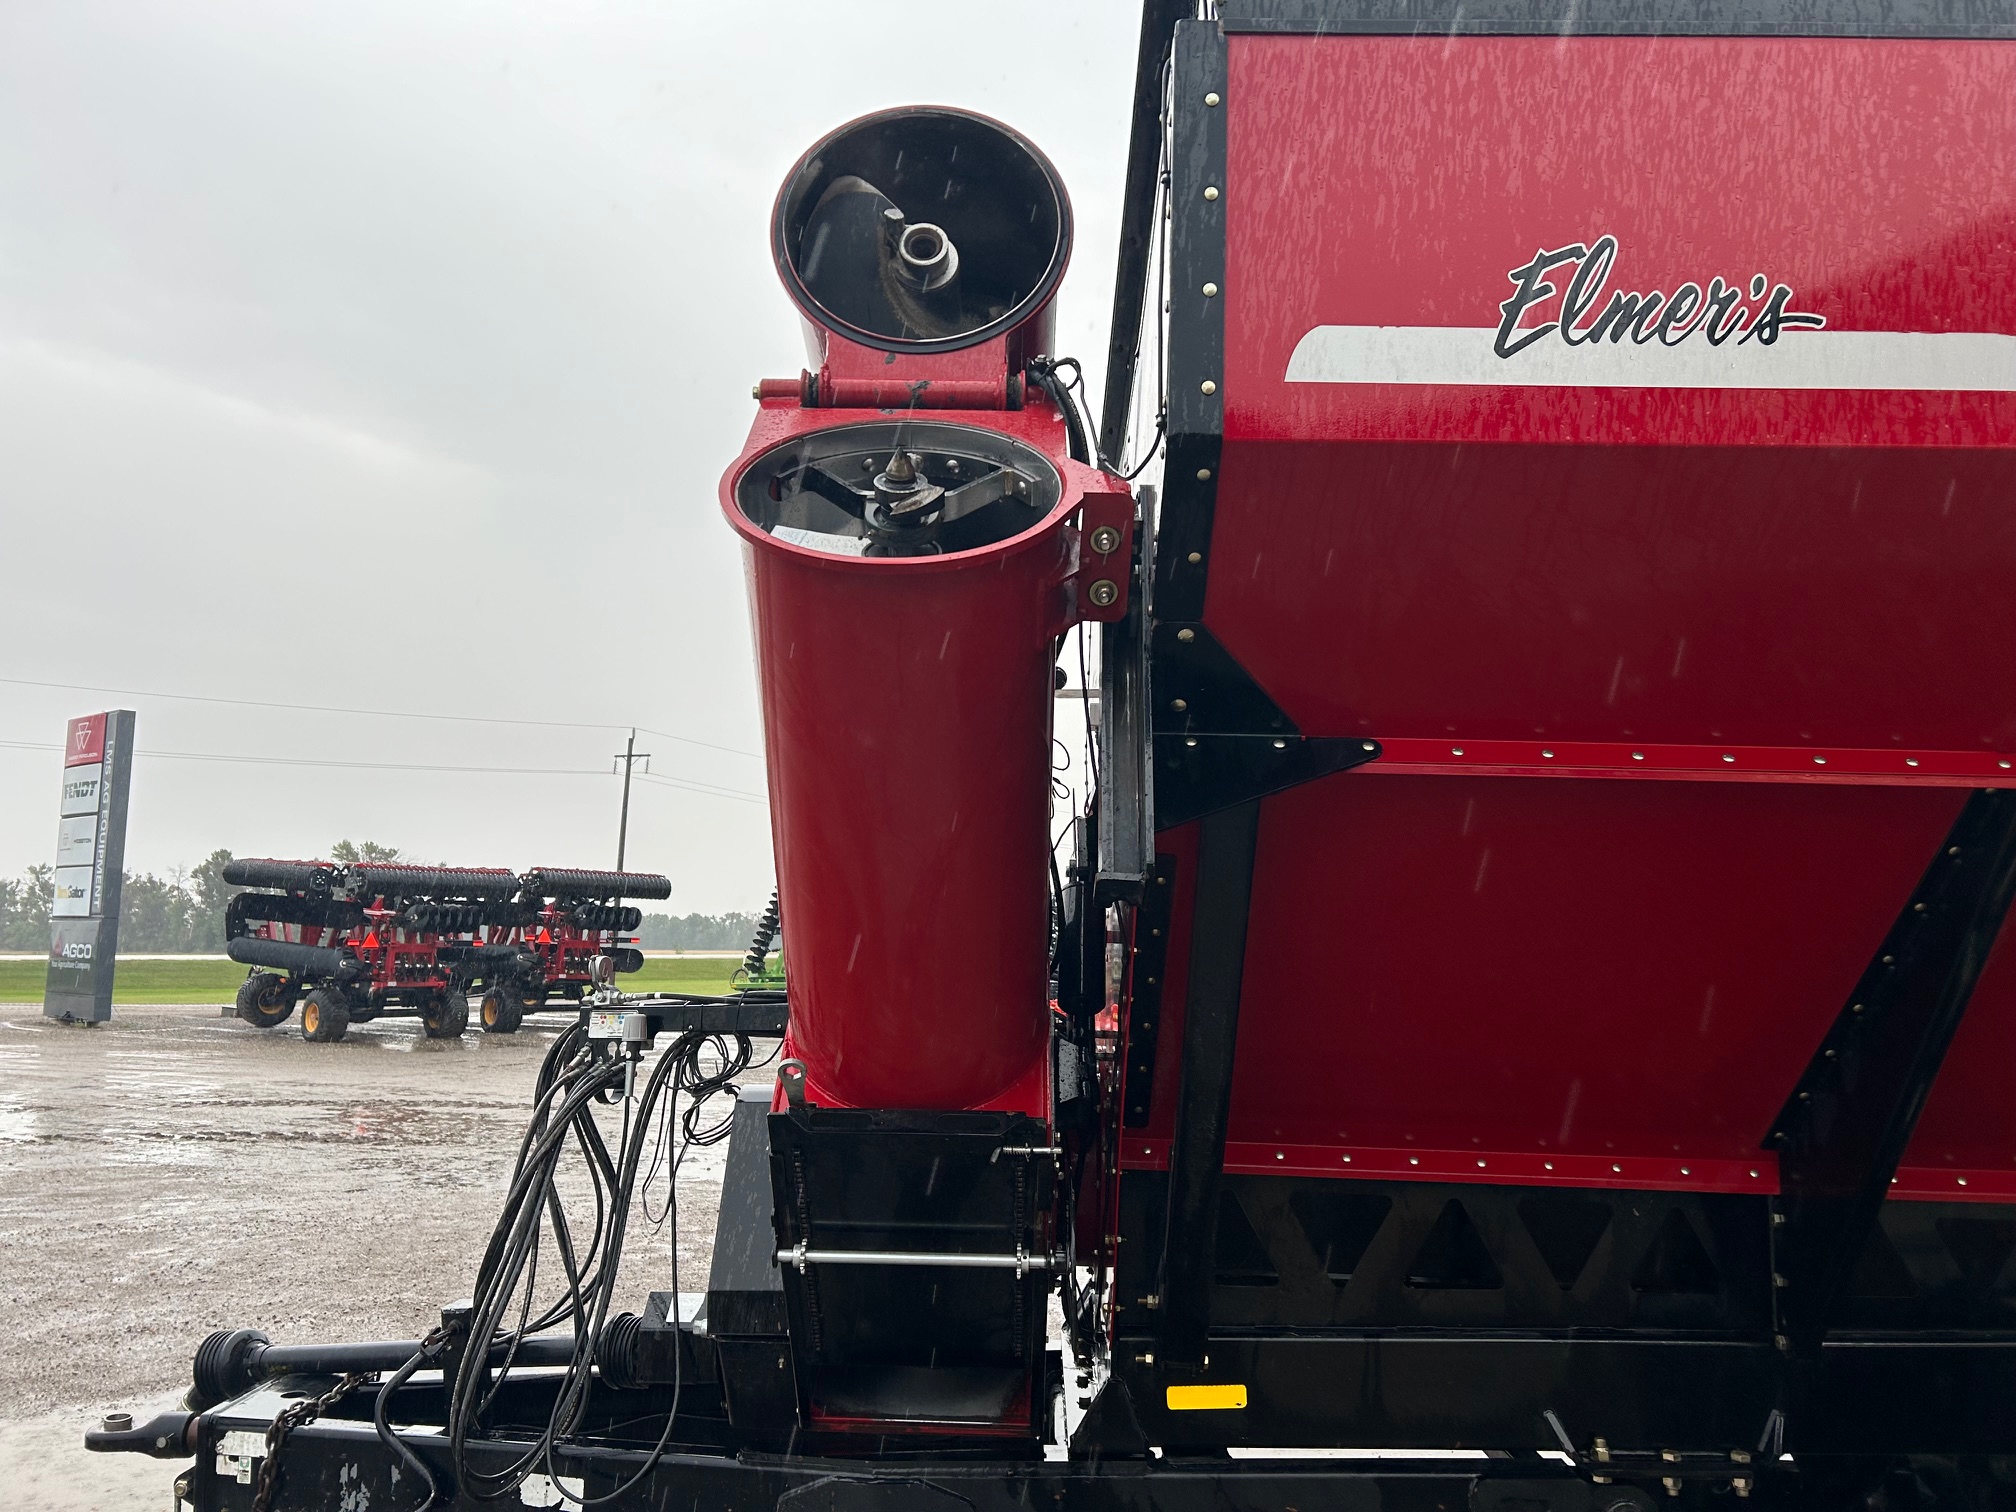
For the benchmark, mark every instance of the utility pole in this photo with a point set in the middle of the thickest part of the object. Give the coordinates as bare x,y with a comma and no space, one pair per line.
629,756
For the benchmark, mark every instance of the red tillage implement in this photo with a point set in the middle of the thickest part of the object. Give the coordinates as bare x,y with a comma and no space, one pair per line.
351,943
1555,814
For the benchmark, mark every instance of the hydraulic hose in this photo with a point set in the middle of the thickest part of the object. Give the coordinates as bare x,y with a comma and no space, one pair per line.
1044,371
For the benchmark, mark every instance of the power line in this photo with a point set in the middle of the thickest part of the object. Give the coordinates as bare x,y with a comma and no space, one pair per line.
739,794
709,789
260,703
668,735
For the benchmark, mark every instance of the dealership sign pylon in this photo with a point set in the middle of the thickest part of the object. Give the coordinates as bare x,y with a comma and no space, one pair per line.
90,864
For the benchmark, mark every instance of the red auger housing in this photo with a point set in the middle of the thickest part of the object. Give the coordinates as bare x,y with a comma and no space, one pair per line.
919,537
352,943
922,524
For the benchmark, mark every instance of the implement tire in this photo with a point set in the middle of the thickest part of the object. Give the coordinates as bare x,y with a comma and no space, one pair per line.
501,1011
263,1000
445,1015
325,1016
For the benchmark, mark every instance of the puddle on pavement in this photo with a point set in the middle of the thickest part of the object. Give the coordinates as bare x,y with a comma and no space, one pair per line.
20,1124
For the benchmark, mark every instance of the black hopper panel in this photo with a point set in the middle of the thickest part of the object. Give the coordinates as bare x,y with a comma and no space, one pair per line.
1566,1228
745,1289
1453,1256
1316,1253
1676,1261
1241,1258
1935,1265
1339,1223
900,1344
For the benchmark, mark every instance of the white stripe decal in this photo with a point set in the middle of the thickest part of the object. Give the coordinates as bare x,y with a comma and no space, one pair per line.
1955,361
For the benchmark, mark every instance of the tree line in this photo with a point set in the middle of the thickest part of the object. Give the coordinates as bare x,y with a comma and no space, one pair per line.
182,913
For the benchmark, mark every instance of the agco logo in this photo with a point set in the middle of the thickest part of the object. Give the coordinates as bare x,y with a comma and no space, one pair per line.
1718,314
74,950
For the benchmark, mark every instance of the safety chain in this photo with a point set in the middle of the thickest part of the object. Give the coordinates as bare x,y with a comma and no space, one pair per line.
290,1418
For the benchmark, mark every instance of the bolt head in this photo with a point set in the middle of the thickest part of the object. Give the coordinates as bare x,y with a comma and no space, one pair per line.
1186,634
1203,475
1105,540
1210,191
1195,557
1211,98
1207,387
1210,291
1179,704
1104,592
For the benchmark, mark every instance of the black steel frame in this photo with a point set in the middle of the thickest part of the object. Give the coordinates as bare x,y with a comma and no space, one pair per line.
337,1461
1845,1127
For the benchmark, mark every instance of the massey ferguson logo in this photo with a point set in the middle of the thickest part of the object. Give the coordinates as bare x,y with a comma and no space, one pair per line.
1584,318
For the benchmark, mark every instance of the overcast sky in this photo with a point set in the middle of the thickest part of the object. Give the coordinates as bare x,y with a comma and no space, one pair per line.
387,356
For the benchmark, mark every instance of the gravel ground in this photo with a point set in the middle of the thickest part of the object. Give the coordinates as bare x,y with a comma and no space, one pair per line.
174,1172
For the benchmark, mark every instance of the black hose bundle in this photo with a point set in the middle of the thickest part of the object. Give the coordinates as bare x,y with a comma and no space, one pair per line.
560,882
1044,371
578,1075
315,877
1046,374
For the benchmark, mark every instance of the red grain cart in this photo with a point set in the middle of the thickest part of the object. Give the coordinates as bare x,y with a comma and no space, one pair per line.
1555,816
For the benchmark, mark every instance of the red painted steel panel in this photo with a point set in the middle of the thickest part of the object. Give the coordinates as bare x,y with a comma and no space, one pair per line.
1825,591
1491,974
1789,563
1396,182
1685,595
1966,1137
907,706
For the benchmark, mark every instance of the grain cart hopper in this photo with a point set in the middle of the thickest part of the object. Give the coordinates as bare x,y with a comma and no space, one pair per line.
1554,824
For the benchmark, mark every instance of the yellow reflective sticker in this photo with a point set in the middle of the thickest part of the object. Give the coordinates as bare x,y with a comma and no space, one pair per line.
1205,1398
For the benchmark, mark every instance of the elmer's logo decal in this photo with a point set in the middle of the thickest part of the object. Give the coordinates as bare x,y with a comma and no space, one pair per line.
1717,313
1573,320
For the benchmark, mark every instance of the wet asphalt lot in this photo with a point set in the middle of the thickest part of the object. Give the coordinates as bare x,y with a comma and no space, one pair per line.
175,1172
